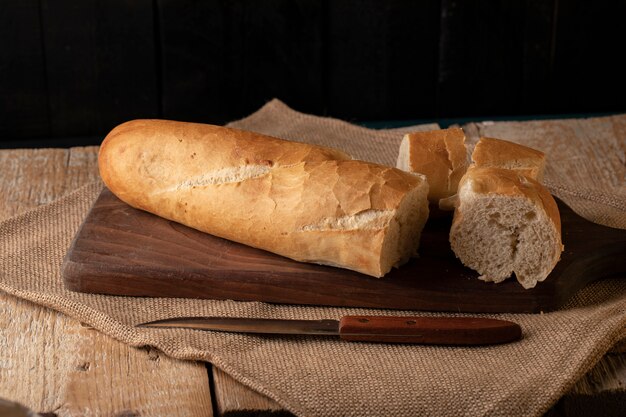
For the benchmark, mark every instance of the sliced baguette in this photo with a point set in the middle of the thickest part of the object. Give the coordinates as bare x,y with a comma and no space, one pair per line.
438,154
301,201
498,153
506,223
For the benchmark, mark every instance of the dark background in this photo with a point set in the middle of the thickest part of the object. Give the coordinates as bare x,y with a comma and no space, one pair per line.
71,70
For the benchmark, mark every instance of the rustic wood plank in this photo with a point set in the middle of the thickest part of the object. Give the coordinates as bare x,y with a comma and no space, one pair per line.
382,59
57,365
108,376
223,60
52,363
11,408
122,251
29,360
100,58
233,398
33,177
23,90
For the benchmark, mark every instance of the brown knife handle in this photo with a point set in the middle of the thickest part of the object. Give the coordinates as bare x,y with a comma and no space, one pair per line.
428,330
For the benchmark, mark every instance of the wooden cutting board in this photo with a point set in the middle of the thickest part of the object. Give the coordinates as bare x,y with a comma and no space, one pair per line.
123,251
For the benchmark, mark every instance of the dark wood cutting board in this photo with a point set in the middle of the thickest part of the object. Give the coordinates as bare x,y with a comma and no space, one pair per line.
123,251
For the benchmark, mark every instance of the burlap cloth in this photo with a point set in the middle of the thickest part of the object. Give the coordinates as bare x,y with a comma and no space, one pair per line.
323,377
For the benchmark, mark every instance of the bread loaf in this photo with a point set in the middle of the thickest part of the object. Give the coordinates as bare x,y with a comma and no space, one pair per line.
438,154
498,153
506,223
305,202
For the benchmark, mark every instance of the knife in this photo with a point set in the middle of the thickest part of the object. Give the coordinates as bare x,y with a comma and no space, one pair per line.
421,330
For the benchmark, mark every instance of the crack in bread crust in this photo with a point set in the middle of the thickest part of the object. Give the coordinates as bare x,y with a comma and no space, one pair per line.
365,220
222,176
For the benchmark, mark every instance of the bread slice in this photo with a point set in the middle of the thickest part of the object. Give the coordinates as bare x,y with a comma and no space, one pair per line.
305,202
506,223
438,154
498,153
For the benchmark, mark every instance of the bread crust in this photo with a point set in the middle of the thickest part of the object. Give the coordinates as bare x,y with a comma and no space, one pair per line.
438,154
498,153
305,202
507,183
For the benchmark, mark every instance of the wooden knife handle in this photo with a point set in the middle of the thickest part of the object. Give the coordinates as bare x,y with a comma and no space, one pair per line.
428,330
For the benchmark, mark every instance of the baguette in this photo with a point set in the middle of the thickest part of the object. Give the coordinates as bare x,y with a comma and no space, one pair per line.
498,153
506,223
305,202
438,154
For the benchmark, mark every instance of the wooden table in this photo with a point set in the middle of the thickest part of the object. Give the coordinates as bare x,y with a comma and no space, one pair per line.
54,364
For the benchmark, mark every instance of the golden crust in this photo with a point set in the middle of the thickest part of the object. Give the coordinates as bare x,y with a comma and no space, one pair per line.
507,182
498,153
441,156
265,192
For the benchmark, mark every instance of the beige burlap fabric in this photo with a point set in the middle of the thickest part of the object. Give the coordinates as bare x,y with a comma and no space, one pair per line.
324,377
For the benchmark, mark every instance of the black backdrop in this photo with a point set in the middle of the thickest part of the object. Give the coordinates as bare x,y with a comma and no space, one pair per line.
75,69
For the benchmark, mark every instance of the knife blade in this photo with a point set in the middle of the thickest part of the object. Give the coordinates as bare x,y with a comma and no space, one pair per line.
385,329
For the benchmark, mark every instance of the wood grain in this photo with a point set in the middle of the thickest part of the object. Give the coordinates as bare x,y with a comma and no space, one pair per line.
428,330
57,365
120,250
52,363
146,382
33,177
